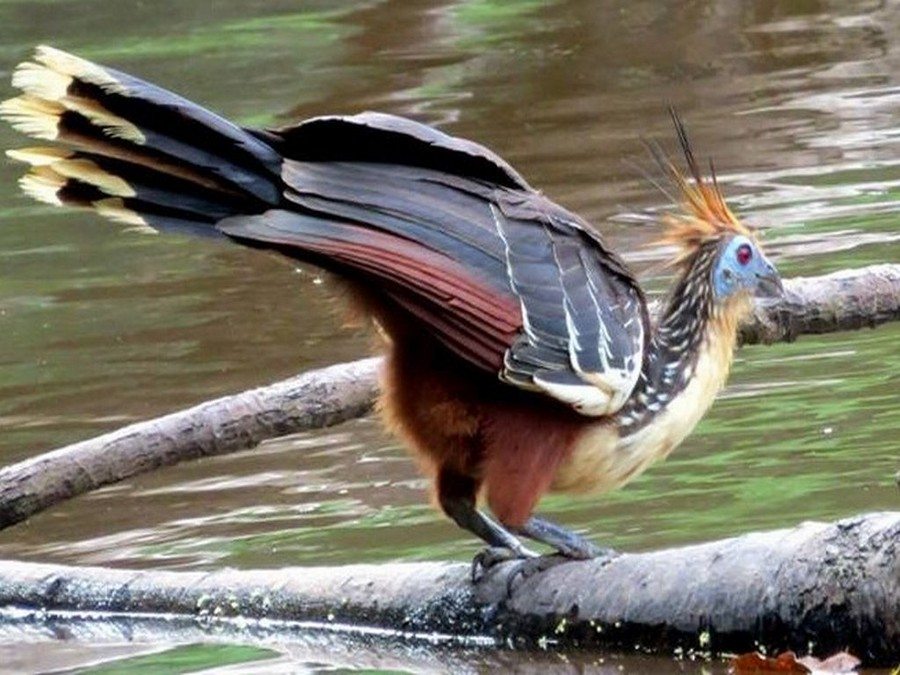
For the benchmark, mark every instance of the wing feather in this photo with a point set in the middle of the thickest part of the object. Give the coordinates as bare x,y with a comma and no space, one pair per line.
583,313
465,313
580,316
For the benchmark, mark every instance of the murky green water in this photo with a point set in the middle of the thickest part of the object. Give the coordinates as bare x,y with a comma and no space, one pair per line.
797,102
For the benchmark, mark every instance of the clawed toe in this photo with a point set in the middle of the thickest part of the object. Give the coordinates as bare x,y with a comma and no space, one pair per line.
587,551
528,568
488,557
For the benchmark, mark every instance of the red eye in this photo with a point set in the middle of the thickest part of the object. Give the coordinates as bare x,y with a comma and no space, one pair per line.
744,254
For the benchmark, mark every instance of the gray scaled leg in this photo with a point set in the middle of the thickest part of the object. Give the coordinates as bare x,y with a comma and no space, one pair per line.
502,545
464,514
566,542
456,494
569,547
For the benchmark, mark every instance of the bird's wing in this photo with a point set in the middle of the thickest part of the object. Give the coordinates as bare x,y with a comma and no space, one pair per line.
584,316
380,137
504,277
461,308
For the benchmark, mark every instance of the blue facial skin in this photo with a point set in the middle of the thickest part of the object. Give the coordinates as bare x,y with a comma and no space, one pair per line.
742,266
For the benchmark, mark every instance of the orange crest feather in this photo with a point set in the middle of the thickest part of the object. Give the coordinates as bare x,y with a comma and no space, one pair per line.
704,215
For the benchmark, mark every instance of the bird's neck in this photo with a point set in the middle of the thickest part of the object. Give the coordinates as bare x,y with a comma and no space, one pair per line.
693,342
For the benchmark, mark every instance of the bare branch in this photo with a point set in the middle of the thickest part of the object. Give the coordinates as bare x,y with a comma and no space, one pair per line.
313,400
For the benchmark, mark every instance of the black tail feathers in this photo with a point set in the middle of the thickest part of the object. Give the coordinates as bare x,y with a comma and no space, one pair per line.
132,151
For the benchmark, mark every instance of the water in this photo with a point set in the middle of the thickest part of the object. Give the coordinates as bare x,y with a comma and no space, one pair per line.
796,101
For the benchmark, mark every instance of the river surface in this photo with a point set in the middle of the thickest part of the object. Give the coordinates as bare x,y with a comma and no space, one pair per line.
796,101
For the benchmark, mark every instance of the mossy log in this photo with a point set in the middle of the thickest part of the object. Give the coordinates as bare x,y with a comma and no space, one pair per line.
848,299
819,587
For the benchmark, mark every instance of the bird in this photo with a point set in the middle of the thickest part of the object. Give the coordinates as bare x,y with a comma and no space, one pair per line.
520,354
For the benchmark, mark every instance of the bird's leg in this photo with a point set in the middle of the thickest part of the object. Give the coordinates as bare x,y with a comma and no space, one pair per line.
566,542
464,514
502,545
569,545
456,495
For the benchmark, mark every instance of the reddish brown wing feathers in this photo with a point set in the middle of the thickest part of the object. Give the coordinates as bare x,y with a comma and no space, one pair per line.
474,319
469,317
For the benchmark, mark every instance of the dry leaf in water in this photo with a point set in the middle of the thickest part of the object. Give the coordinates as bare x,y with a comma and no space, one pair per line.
842,662
787,662
754,662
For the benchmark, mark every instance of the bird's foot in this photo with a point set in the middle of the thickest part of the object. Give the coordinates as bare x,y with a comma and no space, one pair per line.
491,556
582,549
527,568
585,550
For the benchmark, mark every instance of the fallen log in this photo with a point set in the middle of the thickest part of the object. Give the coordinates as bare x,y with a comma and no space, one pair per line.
816,587
848,299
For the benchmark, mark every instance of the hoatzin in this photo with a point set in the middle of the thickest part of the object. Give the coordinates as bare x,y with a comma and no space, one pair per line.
520,355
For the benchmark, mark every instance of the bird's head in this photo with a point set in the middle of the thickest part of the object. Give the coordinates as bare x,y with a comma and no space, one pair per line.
704,227
741,266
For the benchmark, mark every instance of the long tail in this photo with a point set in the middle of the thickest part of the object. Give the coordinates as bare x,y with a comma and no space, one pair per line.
133,151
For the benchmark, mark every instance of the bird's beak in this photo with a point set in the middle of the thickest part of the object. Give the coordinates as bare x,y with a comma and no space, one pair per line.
768,283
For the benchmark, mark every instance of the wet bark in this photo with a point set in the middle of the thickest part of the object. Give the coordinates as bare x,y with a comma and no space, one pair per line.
848,299
820,587
844,300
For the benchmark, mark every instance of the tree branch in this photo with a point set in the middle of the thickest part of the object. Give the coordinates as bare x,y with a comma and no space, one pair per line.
833,586
313,400
844,300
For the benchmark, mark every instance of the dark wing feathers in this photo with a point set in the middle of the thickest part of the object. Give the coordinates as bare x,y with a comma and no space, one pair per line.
406,203
579,328
583,313
378,137
582,323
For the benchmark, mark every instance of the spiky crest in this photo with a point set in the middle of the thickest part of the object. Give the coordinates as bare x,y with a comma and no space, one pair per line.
704,216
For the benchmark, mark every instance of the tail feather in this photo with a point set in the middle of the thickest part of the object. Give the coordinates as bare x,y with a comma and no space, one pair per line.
134,152
123,192
36,117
